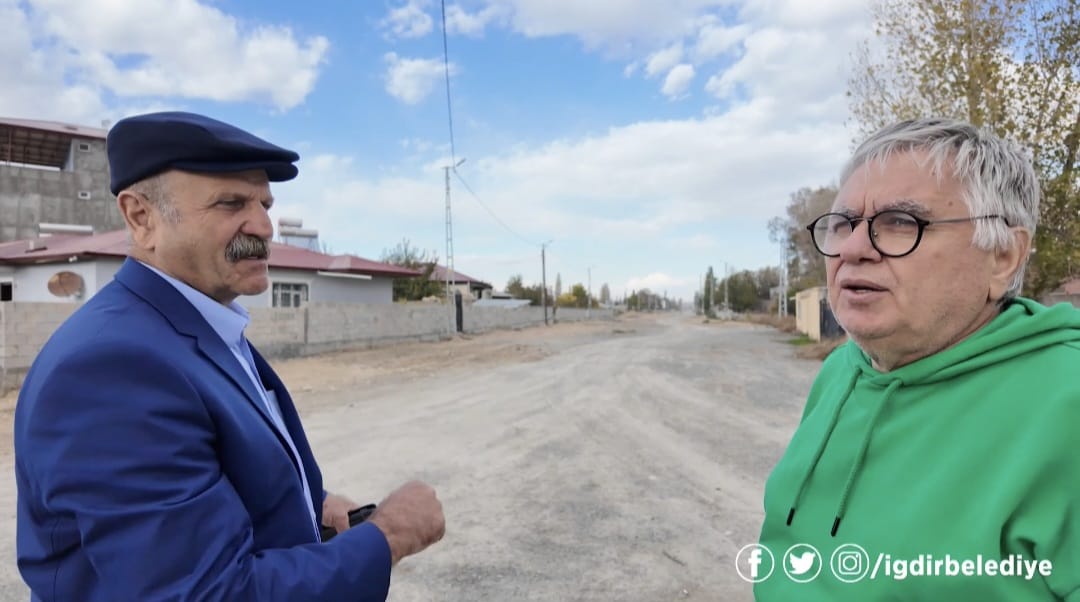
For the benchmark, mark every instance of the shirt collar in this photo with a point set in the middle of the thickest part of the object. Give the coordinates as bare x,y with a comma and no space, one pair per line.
228,321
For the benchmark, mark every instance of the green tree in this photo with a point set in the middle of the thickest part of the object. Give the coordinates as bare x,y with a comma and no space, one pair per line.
417,287
1009,65
806,267
709,293
515,288
580,295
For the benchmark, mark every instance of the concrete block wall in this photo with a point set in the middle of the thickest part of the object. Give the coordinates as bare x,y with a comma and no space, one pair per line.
333,327
277,331
287,332
573,314
483,319
24,329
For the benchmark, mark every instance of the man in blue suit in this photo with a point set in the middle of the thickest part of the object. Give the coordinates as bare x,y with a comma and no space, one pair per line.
158,456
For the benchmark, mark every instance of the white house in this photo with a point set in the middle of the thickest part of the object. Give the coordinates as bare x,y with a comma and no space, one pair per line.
71,268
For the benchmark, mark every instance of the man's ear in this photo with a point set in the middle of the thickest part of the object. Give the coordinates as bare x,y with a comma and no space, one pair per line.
1006,262
141,219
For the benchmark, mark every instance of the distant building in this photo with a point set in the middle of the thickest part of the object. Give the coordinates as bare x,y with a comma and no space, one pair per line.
54,177
66,268
469,287
1068,292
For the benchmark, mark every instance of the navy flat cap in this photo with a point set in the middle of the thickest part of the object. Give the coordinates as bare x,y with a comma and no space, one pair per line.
145,145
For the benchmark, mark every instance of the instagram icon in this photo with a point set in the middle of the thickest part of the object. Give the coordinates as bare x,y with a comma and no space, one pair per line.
850,563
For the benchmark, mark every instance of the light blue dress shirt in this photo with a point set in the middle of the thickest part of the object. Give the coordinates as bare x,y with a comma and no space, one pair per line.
229,322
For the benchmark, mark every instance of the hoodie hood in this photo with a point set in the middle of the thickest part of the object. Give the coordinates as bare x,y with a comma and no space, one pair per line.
1022,327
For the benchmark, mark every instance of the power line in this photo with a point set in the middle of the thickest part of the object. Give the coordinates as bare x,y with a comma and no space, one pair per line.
446,68
492,213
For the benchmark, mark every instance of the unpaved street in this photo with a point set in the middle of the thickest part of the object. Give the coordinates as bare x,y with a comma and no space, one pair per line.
611,461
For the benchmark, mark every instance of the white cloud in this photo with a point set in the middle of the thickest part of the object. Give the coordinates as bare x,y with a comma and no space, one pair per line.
605,23
782,48
678,80
410,20
786,64
714,40
663,60
459,21
412,80
95,48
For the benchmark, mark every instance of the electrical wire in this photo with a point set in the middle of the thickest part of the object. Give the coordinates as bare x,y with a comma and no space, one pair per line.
446,68
492,213
450,123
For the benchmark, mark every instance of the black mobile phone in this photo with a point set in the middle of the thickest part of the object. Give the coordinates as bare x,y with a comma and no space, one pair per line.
356,517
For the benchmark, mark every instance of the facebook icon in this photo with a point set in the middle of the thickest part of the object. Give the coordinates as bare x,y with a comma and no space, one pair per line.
754,563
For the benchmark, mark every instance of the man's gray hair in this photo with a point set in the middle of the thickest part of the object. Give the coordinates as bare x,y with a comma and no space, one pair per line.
996,174
156,190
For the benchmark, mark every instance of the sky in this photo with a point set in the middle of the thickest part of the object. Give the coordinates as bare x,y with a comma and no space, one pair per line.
638,141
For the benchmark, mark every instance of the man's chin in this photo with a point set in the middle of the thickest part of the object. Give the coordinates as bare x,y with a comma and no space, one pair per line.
864,329
253,286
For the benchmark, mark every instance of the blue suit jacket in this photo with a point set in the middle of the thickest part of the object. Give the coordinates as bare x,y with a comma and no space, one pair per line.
148,468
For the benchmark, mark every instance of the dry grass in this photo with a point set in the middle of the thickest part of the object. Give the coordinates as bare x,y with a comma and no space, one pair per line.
819,350
809,350
785,324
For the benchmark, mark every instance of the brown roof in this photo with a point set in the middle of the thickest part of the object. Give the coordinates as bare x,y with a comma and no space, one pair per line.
45,143
299,258
57,248
438,274
1071,287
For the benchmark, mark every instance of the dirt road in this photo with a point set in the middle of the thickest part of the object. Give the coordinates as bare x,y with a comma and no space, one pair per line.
612,461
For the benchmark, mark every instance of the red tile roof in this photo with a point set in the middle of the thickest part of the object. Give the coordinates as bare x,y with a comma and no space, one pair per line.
286,256
58,248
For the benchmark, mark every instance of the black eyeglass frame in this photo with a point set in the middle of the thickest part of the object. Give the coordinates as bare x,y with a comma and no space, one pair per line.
922,224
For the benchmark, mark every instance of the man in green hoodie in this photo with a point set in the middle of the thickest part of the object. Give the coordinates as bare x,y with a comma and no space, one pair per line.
937,457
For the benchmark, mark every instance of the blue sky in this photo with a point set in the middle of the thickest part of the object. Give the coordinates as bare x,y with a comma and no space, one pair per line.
647,140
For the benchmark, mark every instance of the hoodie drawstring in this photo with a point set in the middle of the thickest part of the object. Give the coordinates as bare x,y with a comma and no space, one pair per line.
856,466
821,446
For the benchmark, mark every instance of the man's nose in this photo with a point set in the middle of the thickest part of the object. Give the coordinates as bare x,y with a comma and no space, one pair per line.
259,223
858,245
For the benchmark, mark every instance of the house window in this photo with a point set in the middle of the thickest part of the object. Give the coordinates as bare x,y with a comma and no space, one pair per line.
84,147
286,294
84,195
5,291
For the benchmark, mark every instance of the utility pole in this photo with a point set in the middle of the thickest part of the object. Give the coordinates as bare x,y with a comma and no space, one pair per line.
781,305
588,296
543,280
727,276
706,305
450,297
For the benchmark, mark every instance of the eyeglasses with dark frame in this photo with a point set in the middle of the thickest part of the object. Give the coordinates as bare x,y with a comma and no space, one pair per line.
894,233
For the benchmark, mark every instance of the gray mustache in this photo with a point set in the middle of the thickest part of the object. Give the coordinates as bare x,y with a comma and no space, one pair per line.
247,247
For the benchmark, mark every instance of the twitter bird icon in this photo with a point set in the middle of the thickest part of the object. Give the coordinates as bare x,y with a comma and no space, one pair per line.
803,563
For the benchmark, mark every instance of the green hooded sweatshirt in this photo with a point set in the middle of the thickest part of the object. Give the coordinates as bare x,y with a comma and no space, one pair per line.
963,459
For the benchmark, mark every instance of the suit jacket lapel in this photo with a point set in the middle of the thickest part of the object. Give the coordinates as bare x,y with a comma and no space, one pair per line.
188,321
291,419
